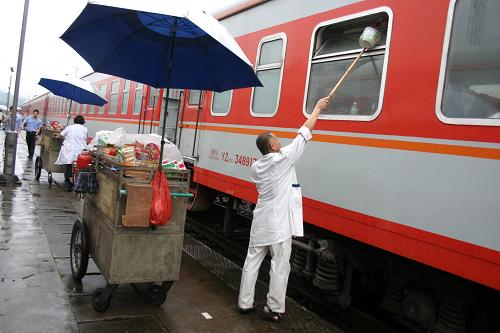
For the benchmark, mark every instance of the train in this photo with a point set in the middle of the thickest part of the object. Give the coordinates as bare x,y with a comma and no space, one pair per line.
400,182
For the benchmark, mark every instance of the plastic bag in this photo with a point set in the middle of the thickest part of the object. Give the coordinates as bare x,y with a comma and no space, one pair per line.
161,205
118,137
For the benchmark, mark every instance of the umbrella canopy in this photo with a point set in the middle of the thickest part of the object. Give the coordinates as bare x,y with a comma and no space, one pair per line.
71,87
165,44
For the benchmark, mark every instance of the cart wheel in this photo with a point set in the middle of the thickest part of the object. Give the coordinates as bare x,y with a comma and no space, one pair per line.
155,296
99,303
50,178
38,167
79,250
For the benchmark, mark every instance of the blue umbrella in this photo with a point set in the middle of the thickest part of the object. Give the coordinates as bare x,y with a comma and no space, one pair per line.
73,88
165,44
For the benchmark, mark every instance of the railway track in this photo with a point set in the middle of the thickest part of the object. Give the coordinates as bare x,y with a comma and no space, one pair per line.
208,228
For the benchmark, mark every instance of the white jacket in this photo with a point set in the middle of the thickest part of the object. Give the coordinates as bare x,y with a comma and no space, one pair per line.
75,140
278,213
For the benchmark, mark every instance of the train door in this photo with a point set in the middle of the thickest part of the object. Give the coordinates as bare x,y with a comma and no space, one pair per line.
170,111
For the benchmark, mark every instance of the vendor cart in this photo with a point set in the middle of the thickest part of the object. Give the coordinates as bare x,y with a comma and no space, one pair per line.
50,146
115,231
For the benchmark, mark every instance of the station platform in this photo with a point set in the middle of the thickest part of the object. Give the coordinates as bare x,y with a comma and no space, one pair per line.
38,294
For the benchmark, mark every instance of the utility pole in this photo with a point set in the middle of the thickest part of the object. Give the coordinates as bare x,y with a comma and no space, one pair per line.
9,163
10,83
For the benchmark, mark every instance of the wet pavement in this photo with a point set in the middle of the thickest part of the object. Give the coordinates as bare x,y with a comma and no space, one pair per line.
38,294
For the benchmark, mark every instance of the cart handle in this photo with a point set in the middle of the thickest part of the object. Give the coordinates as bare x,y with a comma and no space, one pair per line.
124,192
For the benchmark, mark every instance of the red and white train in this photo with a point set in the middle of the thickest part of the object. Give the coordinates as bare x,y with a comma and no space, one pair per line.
402,175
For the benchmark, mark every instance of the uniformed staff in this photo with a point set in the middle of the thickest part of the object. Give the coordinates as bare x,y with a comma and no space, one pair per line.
32,125
277,216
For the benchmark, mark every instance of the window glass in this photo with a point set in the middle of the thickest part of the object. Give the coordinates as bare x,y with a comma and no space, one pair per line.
81,109
113,97
265,98
153,97
472,77
335,48
270,52
194,97
221,102
269,70
102,89
126,89
138,98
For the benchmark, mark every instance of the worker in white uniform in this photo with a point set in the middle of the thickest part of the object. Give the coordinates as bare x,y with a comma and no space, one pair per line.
75,140
277,216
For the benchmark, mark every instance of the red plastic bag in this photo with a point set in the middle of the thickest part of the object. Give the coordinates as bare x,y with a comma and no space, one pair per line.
161,205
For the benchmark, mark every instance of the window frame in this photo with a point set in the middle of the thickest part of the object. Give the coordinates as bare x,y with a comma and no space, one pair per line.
442,77
348,54
111,94
228,107
265,39
143,86
124,110
200,101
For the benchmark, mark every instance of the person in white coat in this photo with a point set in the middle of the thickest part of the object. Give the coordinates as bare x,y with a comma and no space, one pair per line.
277,216
75,140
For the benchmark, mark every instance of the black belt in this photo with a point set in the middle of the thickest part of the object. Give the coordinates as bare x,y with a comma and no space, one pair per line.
31,132
295,185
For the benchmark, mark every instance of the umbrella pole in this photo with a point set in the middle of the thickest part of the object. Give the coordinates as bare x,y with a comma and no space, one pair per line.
69,112
169,82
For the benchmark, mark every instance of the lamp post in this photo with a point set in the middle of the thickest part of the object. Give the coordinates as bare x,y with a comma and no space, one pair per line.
9,163
10,83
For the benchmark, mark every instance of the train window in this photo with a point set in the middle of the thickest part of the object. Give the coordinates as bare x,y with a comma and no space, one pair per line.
194,97
153,97
113,97
221,103
138,98
102,90
269,69
88,108
335,45
82,109
126,89
469,84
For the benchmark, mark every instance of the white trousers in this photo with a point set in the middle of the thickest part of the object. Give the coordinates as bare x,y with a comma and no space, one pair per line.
280,270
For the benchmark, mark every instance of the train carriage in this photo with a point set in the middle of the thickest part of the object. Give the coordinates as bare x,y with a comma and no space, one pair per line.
401,176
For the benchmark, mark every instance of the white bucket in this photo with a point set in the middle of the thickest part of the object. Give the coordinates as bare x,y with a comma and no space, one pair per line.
369,38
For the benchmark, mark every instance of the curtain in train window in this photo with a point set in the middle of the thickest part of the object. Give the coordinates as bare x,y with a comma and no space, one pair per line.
102,90
221,103
113,97
126,89
194,97
472,77
335,48
138,98
269,71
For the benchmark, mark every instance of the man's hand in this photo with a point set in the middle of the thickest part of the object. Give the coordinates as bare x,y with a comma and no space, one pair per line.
320,106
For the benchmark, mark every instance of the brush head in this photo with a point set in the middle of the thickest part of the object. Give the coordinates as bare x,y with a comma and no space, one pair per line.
369,38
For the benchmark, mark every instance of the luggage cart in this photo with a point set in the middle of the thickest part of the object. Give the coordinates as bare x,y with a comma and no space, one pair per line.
115,232
50,146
